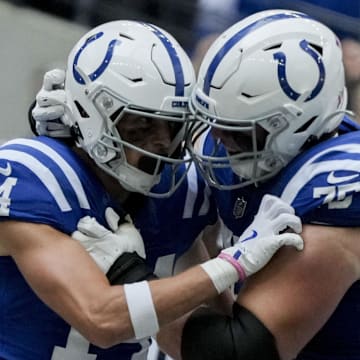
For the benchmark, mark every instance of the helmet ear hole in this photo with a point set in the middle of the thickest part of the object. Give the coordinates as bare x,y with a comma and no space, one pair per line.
305,126
116,114
273,47
81,110
248,96
318,48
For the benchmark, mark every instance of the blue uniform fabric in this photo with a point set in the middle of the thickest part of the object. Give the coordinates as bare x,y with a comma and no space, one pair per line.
43,181
323,185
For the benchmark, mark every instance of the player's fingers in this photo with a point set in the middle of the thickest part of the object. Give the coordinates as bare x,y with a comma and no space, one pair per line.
47,113
284,221
274,206
50,98
79,236
112,218
128,218
53,78
90,227
291,239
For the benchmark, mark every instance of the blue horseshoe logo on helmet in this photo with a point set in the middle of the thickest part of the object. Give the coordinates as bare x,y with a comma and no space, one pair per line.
281,72
104,64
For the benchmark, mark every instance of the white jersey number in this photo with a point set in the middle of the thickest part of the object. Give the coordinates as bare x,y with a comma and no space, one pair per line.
77,348
337,197
5,190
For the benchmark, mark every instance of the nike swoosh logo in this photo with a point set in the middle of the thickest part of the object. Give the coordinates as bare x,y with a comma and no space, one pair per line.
6,171
252,236
332,179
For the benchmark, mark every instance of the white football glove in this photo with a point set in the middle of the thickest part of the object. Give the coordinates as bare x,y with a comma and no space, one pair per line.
260,241
49,112
106,246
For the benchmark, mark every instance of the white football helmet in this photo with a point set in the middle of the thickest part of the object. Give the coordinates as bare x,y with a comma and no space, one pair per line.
275,82
129,67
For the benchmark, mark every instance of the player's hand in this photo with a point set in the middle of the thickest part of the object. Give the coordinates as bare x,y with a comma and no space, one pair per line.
49,111
106,246
260,241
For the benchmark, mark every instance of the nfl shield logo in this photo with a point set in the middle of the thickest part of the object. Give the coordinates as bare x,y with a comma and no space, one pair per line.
239,207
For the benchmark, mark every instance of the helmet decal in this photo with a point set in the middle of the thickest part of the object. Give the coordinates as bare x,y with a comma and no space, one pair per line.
237,37
175,60
104,64
281,72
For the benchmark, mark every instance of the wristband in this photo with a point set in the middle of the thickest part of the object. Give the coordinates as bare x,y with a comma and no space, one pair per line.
141,309
222,273
230,259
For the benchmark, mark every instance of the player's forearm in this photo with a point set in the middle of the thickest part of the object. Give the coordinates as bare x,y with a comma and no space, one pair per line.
175,296
74,287
109,321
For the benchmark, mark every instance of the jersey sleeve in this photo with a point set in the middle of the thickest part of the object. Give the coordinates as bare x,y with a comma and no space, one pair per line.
324,186
42,184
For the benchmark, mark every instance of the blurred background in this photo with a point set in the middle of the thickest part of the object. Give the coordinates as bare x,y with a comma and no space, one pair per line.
37,36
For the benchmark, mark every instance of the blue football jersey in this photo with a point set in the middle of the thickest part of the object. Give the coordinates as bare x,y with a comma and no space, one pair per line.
43,181
323,185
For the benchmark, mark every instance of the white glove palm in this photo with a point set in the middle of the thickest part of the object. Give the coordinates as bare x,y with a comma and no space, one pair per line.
49,112
260,241
106,246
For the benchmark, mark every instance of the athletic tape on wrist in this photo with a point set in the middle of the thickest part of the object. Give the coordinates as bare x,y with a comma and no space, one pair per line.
222,273
141,309
235,264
